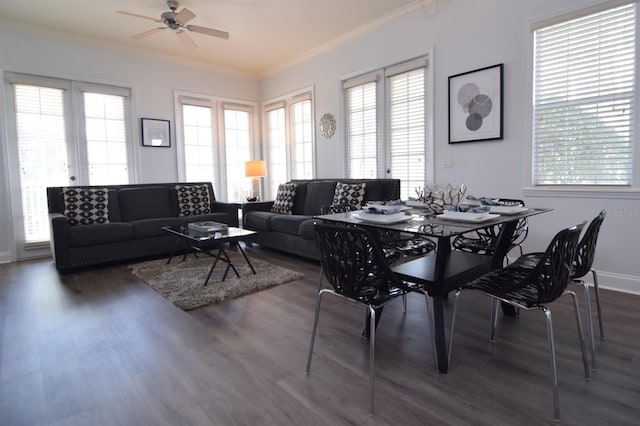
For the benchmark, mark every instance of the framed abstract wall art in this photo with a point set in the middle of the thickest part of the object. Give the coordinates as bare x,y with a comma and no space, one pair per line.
475,105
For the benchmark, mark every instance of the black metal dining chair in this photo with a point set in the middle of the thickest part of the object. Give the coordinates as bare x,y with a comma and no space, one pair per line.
533,281
355,267
396,245
582,265
483,241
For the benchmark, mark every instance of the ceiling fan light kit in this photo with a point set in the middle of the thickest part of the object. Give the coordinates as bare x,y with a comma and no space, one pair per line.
177,21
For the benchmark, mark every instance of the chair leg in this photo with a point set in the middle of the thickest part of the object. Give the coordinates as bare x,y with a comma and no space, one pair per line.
431,329
452,331
576,308
587,302
599,309
404,303
494,319
554,371
315,326
372,354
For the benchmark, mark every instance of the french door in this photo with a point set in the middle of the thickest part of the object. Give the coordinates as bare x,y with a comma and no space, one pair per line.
61,133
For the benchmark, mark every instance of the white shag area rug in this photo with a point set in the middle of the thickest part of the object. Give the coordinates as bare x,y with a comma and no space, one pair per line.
182,282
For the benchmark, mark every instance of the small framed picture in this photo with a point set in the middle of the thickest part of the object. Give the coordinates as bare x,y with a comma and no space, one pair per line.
156,132
475,105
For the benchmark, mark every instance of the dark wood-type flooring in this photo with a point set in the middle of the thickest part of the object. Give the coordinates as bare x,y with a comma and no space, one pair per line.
101,348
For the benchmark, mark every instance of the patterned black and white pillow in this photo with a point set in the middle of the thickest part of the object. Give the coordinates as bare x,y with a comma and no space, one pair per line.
193,199
351,194
284,198
84,206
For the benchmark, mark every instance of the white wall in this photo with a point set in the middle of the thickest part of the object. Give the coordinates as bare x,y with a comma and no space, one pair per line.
465,35
462,34
152,79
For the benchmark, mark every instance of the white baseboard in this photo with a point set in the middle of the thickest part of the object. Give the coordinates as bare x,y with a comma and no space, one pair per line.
611,281
6,257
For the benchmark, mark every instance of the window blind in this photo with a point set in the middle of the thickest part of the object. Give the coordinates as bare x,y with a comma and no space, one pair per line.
362,132
42,153
406,130
584,78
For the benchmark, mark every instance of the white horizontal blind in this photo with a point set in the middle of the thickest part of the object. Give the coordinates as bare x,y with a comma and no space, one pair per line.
42,153
302,139
105,127
277,147
407,130
362,130
583,99
199,149
237,144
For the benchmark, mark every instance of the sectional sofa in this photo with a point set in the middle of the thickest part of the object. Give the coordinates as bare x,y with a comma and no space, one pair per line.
286,224
94,225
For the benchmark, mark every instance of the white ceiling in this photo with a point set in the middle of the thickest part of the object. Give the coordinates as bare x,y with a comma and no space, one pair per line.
265,35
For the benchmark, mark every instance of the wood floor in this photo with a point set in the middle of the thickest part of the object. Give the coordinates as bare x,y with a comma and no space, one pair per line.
102,348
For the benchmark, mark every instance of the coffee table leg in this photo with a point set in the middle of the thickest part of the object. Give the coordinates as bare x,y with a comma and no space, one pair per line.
246,258
213,266
174,250
229,265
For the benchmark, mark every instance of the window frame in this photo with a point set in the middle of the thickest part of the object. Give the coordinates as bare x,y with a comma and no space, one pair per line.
217,105
382,76
631,191
287,102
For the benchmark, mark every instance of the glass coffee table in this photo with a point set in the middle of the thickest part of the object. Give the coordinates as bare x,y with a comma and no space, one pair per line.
195,243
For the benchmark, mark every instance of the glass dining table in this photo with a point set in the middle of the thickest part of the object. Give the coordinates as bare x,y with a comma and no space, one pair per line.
446,269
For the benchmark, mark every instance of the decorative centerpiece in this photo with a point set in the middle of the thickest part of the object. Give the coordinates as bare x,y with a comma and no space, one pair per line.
439,199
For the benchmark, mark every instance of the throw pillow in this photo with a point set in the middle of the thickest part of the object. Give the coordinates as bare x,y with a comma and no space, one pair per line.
193,199
284,198
351,194
86,206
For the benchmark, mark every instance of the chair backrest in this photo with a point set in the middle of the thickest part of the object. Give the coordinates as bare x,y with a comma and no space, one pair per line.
353,262
586,250
551,273
519,234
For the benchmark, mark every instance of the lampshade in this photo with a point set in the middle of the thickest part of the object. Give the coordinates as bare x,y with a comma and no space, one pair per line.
255,168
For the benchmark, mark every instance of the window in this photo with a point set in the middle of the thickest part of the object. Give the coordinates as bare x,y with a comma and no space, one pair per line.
214,140
237,136
402,103
584,69
290,139
49,149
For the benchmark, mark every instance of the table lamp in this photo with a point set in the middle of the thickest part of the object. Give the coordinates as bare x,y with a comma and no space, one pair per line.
255,169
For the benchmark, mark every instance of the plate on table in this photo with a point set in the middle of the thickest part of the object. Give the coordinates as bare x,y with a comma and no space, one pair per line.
385,219
507,210
384,207
467,216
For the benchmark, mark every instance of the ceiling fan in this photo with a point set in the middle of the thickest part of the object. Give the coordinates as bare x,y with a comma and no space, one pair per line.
177,21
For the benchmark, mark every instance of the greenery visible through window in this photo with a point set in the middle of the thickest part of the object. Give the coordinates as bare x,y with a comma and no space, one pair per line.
584,82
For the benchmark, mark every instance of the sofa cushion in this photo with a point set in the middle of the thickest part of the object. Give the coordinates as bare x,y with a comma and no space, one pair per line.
350,194
306,229
86,206
145,203
258,220
144,228
90,235
193,199
375,191
288,224
318,195
284,199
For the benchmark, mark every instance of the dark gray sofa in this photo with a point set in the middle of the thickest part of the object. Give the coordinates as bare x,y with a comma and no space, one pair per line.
134,217
294,233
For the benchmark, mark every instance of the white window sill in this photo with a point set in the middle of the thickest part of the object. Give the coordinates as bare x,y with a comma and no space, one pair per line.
589,192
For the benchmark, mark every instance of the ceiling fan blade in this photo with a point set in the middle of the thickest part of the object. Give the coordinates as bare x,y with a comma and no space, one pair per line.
184,16
186,40
147,33
207,31
135,15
